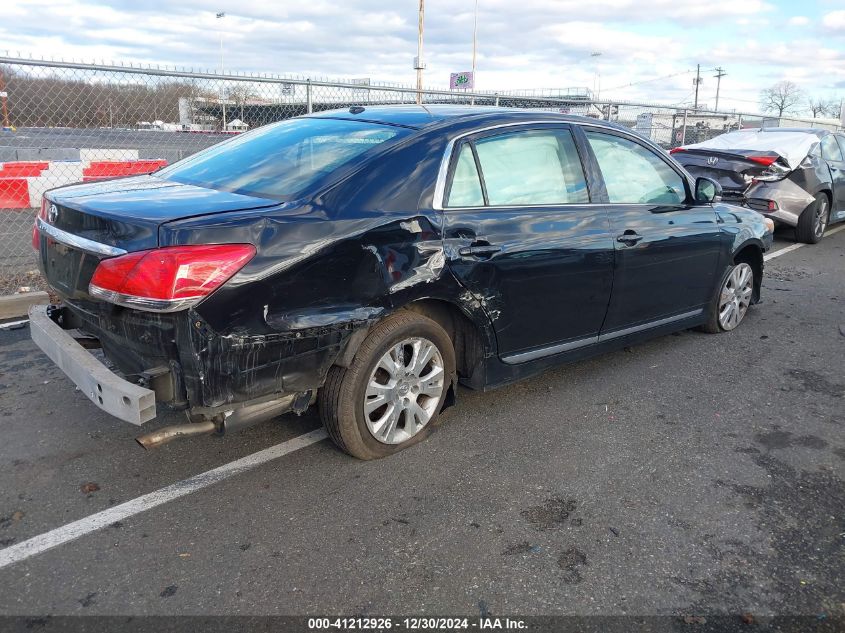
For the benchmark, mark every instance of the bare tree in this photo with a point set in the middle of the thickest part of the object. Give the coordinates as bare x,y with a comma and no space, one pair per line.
823,107
240,94
782,98
80,101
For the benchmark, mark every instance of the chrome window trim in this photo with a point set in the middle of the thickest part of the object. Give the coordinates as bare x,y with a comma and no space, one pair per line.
75,241
443,171
438,202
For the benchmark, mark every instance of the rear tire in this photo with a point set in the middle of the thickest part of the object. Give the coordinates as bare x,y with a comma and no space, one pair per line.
391,394
813,220
732,301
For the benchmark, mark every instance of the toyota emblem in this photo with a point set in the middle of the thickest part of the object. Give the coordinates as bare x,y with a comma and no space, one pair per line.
53,214
712,161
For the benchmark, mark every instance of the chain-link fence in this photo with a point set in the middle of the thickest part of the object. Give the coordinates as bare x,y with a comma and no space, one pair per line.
71,122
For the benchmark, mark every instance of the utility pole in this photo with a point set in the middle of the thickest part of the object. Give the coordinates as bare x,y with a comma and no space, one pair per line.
696,82
419,65
720,73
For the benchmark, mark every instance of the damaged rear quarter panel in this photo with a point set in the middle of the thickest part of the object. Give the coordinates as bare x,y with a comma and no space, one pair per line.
324,269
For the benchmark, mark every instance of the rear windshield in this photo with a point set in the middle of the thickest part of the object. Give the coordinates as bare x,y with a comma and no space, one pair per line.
281,159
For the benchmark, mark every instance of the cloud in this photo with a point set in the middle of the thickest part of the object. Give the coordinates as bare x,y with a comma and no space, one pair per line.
652,44
835,20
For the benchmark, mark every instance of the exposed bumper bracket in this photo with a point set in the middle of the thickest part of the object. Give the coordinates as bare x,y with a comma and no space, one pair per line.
107,390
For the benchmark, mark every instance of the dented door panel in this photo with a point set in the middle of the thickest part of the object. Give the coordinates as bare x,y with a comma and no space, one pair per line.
551,279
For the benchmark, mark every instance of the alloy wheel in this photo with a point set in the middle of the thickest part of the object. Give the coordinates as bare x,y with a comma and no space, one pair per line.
403,390
820,223
735,296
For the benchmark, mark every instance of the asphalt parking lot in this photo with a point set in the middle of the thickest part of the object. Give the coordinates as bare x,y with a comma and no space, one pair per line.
694,474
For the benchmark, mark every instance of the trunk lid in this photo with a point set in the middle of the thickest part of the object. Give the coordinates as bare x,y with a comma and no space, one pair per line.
734,170
120,215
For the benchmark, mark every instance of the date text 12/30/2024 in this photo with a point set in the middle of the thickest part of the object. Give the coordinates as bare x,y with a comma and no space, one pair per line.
416,624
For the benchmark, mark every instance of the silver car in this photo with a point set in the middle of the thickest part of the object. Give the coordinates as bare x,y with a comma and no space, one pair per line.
794,176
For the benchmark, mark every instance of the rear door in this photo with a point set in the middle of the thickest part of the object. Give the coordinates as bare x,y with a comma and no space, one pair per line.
832,154
667,248
523,237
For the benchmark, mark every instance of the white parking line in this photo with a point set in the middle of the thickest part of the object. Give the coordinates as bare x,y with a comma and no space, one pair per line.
795,247
6,326
72,531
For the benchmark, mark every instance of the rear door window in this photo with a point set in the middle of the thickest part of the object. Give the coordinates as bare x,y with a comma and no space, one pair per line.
465,190
531,167
830,148
634,174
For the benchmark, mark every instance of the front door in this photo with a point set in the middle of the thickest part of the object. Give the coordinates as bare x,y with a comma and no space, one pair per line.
834,155
667,247
523,237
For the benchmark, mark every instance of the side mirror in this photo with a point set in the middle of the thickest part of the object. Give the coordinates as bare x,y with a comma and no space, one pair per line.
707,190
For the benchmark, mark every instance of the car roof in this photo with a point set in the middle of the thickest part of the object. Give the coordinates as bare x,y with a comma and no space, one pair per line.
422,116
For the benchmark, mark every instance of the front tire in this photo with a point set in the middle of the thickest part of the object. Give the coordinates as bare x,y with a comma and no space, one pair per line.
813,220
733,298
391,394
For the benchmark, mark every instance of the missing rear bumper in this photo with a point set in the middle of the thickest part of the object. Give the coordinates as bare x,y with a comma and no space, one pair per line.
110,392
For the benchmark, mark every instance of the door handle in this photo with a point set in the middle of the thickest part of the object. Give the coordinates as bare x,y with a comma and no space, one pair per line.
629,238
479,250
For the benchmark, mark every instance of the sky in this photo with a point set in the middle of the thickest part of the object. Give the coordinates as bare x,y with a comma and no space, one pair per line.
648,48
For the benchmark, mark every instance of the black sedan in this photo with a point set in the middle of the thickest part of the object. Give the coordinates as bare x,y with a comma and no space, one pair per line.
371,259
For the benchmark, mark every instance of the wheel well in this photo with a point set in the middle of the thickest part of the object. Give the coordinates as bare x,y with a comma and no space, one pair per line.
829,195
469,346
753,256
469,349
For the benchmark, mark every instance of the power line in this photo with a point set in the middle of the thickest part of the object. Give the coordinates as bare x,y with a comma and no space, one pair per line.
685,99
645,81
744,100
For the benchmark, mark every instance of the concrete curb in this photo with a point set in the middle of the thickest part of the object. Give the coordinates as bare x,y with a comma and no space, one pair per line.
13,306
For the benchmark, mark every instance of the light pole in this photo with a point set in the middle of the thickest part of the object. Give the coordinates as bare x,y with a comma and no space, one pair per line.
596,74
220,16
474,41
419,65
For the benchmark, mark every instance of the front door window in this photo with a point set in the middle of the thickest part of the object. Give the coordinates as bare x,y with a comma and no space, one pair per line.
634,174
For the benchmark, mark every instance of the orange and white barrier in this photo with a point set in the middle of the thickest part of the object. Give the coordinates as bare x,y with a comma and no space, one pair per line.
22,183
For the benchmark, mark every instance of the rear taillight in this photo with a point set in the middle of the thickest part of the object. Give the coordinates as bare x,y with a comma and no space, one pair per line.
170,278
774,171
675,150
765,161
